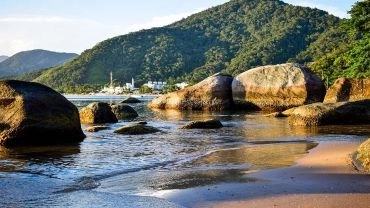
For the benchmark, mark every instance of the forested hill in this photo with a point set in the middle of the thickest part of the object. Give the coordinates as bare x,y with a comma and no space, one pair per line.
232,37
28,61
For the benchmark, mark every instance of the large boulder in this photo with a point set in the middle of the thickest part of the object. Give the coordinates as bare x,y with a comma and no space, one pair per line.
123,111
317,114
213,93
97,112
345,89
277,87
33,114
362,156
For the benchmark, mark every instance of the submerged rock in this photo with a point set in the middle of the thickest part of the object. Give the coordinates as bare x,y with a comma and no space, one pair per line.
205,124
277,87
123,111
97,112
345,89
96,128
130,100
317,114
136,129
33,114
213,93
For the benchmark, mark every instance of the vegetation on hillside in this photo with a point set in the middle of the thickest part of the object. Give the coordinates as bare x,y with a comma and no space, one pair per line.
33,60
232,37
351,55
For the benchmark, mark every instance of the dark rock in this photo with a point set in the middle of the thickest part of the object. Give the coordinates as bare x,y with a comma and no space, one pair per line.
213,93
141,122
33,114
131,100
96,128
276,115
136,129
123,111
345,89
97,112
277,87
205,124
357,112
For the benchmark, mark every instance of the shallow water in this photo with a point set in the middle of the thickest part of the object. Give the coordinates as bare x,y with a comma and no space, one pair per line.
108,169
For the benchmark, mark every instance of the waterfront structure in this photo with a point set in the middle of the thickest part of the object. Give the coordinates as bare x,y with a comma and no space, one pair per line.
111,89
156,85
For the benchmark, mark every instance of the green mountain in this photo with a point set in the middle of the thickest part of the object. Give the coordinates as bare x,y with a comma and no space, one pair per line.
32,60
2,58
232,37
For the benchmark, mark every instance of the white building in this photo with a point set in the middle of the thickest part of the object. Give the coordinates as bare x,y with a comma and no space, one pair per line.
156,85
131,86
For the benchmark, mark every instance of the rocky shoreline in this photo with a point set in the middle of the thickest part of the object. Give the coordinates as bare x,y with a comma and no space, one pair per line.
290,90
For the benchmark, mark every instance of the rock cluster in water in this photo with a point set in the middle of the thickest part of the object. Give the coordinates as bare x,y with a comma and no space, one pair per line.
270,88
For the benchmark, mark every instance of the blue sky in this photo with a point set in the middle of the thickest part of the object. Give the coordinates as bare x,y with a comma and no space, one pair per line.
77,25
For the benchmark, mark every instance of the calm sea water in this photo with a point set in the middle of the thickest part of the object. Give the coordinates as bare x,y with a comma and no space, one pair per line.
111,170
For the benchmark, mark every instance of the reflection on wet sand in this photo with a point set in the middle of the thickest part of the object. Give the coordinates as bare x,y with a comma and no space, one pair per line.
232,165
261,155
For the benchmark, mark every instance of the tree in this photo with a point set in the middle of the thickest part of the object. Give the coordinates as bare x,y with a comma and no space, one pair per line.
360,16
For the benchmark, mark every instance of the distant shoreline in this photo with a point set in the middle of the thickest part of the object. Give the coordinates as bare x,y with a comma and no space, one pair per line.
99,96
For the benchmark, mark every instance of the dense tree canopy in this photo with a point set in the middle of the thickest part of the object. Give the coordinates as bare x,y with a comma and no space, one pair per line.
351,57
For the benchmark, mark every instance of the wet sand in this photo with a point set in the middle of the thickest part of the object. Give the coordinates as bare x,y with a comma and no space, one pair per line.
325,177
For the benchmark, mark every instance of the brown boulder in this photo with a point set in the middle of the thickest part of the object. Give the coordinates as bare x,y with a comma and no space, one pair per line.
136,129
362,156
317,114
97,112
345,89
123,111
277,87
213,93
33,114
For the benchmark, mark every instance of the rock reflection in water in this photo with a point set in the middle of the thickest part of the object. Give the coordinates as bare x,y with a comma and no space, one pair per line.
18,158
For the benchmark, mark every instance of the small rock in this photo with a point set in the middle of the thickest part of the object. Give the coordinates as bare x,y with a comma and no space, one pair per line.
97,112
136,129
130,100
205,124
123,111
96,128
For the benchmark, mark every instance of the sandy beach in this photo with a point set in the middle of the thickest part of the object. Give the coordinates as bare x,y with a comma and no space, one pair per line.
325,177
